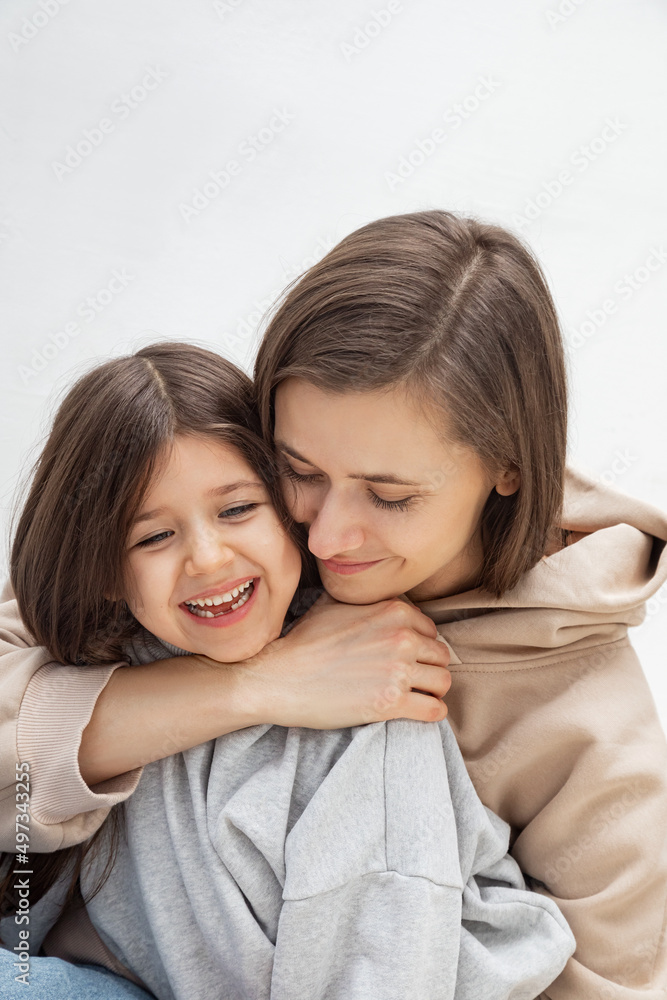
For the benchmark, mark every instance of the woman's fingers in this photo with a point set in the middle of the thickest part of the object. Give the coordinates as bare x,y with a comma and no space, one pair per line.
401,613
432,680
423,708
345,665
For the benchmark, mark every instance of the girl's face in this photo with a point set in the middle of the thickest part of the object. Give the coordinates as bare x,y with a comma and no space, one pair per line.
209,566
391,503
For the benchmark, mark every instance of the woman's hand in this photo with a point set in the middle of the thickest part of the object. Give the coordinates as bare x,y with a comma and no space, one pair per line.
346,665
341,665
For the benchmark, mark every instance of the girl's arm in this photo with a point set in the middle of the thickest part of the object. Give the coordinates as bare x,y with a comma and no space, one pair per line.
87,731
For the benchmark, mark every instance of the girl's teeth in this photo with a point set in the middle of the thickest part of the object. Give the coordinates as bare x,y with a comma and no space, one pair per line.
239,603
199,606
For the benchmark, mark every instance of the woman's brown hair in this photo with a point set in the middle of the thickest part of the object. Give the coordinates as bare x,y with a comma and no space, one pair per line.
459,314
109,436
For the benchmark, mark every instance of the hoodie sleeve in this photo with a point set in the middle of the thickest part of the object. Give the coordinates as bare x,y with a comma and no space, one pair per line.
398,884
572,755
44,708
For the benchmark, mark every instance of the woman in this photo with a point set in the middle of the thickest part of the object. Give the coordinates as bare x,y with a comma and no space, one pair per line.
282,862
423,353
550,706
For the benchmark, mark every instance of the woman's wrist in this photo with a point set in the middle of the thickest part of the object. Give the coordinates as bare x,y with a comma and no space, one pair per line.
251,693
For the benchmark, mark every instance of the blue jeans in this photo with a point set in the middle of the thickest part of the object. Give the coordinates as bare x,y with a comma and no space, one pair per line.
53,979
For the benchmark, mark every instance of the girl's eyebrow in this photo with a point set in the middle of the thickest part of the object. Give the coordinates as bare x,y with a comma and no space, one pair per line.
387,478
216,491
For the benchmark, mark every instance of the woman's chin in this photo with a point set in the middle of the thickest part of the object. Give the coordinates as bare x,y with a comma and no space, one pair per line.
356,592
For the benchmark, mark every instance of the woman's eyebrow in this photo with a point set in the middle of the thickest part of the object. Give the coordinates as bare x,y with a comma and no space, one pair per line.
387,478
216,491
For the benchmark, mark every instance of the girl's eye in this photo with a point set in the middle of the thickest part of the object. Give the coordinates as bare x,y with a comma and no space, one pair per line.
239,511
155,539
229,514
404,504
297,477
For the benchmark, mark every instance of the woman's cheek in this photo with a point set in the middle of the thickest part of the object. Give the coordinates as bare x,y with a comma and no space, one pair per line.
298,501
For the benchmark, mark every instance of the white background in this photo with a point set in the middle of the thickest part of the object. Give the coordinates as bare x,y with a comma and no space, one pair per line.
360,87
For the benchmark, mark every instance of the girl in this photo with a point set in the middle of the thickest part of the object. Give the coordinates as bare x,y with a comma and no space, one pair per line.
348,863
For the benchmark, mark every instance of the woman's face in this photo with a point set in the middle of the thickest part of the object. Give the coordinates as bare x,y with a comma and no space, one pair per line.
392,504
209,567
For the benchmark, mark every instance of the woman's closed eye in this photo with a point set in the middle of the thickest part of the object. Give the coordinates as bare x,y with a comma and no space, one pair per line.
298,477
403,504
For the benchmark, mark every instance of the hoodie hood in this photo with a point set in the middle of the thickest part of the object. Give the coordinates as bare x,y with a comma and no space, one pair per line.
586,594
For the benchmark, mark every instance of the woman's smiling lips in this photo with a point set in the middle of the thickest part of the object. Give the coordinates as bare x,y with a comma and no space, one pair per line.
345,568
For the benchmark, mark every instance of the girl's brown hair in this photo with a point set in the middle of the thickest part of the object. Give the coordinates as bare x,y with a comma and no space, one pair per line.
459,314
108,438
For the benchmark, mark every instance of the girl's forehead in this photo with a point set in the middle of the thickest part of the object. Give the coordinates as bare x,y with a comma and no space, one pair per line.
199,461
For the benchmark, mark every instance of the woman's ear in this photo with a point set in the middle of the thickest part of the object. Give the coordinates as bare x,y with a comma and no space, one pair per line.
508,482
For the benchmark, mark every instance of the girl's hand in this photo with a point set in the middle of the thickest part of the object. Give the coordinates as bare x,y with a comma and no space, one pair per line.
346,665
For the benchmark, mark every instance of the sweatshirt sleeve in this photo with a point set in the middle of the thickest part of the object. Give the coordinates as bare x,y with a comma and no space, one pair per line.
44,708
572,755
398,885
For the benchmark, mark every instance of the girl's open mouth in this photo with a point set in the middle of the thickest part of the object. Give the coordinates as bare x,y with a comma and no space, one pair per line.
223,609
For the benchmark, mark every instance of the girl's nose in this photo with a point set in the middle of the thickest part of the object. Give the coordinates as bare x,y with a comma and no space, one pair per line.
208,552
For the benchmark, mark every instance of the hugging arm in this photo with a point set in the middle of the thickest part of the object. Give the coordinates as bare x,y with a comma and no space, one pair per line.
86,732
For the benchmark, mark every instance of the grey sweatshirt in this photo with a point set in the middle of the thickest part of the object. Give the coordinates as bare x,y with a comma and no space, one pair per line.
302,864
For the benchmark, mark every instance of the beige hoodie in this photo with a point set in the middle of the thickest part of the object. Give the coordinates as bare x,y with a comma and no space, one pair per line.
552,712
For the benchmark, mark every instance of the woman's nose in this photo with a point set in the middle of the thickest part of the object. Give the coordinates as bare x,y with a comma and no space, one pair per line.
333,529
